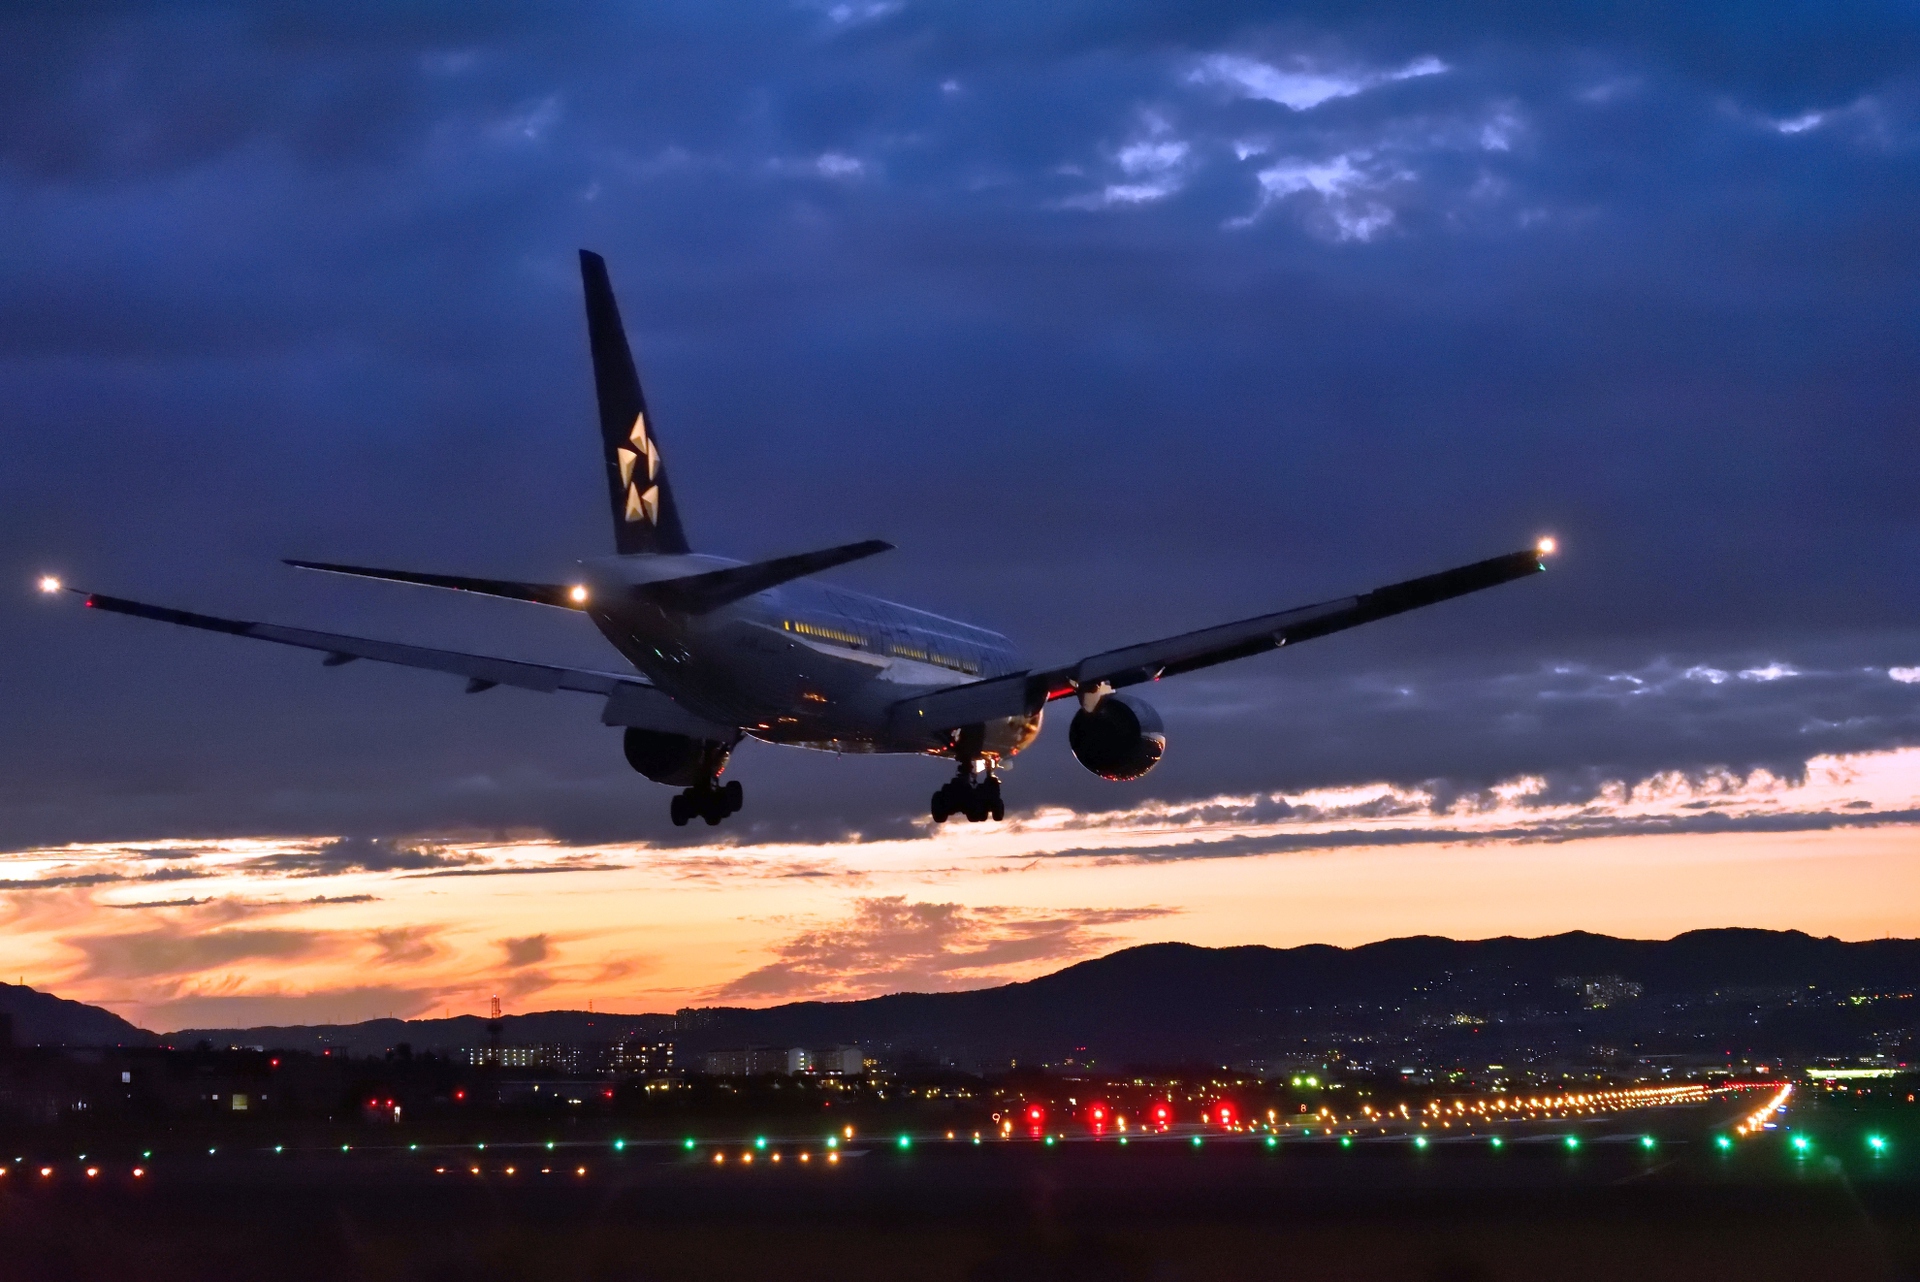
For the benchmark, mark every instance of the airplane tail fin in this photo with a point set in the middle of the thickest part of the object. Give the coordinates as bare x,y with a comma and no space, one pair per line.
645,518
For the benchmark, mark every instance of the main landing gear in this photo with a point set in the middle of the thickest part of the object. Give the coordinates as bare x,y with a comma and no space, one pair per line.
974,792
711,801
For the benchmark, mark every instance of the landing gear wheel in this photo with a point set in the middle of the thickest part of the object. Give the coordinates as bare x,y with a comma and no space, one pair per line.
735,796
942,807
998,809
679,810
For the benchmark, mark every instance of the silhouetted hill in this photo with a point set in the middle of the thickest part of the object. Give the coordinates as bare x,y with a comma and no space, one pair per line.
41,1019
1702,991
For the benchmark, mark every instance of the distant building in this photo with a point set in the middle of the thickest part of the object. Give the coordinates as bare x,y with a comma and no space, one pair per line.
559,1058
841,1061
753,1061
642,1057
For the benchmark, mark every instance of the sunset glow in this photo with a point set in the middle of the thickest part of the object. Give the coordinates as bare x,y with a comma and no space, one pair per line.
195,934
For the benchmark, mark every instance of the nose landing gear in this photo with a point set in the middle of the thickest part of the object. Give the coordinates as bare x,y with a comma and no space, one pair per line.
973,792
711,801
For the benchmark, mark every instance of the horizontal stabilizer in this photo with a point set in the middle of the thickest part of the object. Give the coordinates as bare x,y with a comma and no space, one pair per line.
701,593
566,596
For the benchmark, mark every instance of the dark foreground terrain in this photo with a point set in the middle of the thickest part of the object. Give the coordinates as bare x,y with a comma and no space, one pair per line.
1614,1207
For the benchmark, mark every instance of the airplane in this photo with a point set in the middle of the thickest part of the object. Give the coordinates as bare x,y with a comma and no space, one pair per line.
719,650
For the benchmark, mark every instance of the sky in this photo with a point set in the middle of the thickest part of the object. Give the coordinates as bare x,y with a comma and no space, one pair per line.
1118,319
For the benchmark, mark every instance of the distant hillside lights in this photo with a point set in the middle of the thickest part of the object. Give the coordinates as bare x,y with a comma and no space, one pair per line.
754,1061
1602,991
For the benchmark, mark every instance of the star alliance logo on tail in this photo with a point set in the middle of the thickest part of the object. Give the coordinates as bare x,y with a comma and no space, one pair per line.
642,505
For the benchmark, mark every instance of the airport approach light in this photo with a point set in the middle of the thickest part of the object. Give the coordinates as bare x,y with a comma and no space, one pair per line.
49,584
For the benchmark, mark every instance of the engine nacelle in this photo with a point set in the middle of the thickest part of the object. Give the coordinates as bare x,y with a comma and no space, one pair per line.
1120,739
674,759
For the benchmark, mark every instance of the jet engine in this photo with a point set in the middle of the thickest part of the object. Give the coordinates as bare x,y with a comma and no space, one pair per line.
675,759
1120,739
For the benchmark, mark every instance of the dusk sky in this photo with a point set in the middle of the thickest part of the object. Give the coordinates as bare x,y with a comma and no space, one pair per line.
1118,319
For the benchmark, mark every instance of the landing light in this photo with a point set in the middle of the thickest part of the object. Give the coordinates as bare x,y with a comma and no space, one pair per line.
1547,546
577,594
49,584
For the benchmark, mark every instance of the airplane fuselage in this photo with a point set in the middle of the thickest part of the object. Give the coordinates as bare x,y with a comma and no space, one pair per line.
803,663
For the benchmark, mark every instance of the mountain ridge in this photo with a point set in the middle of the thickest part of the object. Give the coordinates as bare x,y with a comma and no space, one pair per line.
1171,1000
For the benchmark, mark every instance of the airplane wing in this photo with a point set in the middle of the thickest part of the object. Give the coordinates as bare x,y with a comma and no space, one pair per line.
631,699
1023,693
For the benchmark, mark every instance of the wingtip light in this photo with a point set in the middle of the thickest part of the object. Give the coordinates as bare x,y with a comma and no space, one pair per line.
1547,546
50,584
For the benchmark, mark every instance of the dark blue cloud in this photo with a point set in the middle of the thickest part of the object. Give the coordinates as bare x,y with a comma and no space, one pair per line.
1120,319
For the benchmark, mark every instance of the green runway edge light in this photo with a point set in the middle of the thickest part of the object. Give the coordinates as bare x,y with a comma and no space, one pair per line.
1123,1140
619,1146
1573,1141
1272,1142
1722,1143
1878,1143
906,1142
1497,1141
1346,1141
760,1142
1196,1141
1646,1141
549,1145
685,1144
1419,1141
1800,1145
833,1141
